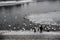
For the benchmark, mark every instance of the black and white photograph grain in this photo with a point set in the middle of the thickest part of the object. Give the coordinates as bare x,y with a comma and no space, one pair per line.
29,19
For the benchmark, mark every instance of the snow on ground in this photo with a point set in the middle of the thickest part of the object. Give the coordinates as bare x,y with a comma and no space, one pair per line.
45,18
29,33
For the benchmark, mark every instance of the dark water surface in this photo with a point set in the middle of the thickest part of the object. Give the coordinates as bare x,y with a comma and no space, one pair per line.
10,15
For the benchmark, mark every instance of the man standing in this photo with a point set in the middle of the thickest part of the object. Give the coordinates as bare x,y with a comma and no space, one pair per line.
41,28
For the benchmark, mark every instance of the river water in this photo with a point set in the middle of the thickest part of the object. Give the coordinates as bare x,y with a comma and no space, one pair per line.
10,15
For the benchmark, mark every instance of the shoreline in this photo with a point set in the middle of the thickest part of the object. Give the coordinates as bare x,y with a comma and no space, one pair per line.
9,3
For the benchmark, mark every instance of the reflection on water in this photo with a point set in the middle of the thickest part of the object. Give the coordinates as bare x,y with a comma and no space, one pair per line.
10,15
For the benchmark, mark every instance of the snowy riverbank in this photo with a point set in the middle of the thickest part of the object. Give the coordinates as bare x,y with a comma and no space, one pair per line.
28,33
7,3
